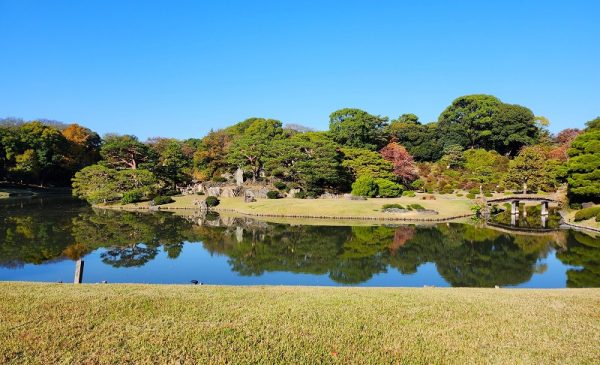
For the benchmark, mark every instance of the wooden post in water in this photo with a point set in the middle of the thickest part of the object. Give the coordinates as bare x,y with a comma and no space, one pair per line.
78,272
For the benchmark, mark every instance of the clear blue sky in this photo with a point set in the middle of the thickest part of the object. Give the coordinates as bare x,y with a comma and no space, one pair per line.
180,68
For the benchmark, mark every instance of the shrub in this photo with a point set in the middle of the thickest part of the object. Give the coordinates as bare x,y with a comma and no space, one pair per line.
219,179
280,185
408,193
162,199
474,191
212,216
416,207
489,195
212,201
587,213
171,192
273,194
460,194
576,206
392,206
132,196
364,186
471,196
598,217
300,195
387,188
417,184
200,193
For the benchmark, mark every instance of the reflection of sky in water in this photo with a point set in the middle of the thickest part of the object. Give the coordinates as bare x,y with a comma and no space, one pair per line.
197,263
435,255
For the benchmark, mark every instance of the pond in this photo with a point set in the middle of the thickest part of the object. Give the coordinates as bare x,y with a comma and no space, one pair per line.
42,238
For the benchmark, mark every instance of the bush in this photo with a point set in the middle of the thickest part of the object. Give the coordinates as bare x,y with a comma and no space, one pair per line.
280,185
365,186
474,191
417,184
460,194
576,206
488,195
212,201
392,206
200,193
598,217
388,189
587,213
273,194
162,199
408,194
171,192
132,196
219,179
300,195
416,207
471,196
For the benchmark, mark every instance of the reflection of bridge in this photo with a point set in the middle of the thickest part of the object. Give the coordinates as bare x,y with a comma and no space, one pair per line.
516,199
521,230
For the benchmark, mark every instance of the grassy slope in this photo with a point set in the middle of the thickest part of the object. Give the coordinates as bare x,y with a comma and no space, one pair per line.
570,216
51,323
445,205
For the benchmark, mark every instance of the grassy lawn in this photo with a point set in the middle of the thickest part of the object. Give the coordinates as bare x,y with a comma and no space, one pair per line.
570,217
62,323
446,205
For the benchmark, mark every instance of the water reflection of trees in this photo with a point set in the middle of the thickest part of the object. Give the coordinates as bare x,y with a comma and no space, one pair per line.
464,255
583,252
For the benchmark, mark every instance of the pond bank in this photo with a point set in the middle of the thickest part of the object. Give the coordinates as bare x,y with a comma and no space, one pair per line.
445,208
50,323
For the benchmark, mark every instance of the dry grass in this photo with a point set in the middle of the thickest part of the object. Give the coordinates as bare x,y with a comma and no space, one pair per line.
570,217
60,323
446,205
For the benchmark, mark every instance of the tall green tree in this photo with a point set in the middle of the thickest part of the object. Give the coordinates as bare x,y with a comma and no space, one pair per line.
124,152
357,128
249,149
421,140
583,167
530,170
513,127
360,161
312,160
173,165
468,121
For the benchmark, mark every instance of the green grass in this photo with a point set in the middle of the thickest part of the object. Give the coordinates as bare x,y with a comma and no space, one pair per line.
62,323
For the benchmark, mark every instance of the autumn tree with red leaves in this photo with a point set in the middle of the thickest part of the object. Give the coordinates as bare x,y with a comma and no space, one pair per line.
404,167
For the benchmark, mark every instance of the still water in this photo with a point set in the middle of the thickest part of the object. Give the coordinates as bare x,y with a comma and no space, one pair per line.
41,239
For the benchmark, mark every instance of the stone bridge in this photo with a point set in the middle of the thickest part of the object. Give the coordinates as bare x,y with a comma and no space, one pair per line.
514,201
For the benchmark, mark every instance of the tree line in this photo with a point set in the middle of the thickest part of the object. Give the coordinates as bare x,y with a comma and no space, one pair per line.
477,144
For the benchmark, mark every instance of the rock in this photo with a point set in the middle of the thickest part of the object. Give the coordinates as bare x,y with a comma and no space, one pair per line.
239,177
354,197
249,196
239,234
214,191
231,192
427,212
328,196
200,204
260,193
292,193
395,210
587,205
